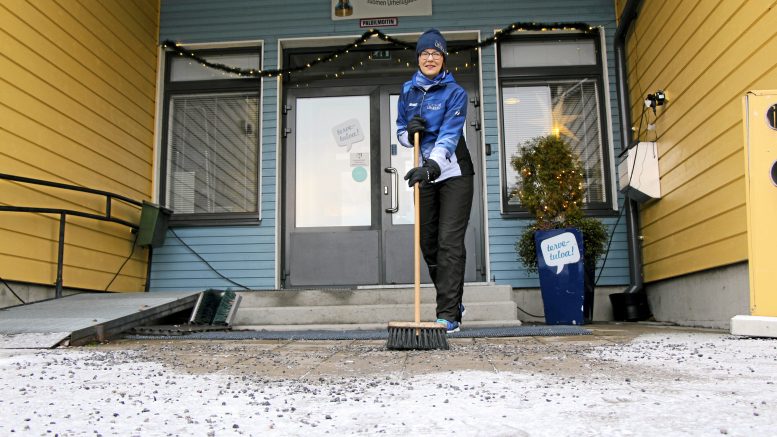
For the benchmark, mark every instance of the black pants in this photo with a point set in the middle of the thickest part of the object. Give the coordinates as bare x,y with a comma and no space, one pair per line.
445,208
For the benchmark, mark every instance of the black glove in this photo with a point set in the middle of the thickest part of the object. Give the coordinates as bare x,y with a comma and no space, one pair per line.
416,124
424,174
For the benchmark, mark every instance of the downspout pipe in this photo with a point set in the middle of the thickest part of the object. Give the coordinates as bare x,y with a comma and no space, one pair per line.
624,103
632,304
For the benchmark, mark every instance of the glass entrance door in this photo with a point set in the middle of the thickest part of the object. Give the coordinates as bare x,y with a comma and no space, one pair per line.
348,217
332,230
398,224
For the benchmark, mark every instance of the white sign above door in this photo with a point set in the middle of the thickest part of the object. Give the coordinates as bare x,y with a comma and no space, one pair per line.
353,9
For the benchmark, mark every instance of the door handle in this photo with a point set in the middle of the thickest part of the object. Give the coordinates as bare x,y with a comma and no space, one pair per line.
395,176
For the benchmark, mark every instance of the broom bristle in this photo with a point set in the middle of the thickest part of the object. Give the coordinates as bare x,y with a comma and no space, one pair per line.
418,336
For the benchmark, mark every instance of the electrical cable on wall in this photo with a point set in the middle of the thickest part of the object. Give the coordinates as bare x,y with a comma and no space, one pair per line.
622,206
206,262
609,243
655,131
528,313
125,261
631,175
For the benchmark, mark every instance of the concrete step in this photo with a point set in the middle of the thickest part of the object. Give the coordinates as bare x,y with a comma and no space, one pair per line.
366,296
367,326
378,306
361,314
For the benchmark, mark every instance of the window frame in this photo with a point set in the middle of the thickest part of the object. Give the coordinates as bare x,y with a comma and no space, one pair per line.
527,76
214,86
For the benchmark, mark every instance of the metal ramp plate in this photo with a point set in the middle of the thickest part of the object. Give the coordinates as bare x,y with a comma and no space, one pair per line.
87,317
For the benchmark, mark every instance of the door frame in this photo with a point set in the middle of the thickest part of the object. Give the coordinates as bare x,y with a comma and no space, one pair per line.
471,83
359,236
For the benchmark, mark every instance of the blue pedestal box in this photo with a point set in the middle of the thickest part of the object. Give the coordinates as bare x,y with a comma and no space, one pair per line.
562,275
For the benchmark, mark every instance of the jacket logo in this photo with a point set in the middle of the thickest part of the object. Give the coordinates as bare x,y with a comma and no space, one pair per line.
412,105
434,106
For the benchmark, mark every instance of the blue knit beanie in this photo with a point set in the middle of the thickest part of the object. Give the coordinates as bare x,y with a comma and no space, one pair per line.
431,39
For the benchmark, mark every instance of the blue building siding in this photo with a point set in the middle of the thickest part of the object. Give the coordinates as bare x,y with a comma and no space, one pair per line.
247,255
503,232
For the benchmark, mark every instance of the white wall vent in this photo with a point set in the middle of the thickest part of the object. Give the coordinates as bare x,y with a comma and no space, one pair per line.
638,174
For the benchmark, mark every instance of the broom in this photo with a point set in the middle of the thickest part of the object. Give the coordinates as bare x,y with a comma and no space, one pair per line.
416,335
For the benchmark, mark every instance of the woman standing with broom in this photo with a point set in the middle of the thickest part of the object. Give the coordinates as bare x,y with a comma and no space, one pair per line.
435,106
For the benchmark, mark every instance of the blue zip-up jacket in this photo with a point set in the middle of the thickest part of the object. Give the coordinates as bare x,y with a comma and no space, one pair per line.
443,103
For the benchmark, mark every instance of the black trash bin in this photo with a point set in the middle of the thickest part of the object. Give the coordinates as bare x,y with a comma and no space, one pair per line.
630,307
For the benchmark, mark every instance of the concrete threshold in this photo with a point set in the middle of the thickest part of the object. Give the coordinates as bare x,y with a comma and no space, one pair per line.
366,326
754,326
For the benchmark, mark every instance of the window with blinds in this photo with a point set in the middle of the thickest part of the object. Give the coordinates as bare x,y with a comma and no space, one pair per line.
553,86
212,154
211,160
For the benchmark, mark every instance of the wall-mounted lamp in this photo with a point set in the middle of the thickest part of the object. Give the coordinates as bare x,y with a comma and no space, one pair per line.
656,99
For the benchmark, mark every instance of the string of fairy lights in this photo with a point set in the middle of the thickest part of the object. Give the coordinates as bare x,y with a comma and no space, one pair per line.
364,39
363,63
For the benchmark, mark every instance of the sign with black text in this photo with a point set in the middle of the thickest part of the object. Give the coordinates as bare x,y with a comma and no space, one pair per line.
378,22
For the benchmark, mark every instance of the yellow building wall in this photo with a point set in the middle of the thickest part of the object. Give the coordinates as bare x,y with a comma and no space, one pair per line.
77,103
705,54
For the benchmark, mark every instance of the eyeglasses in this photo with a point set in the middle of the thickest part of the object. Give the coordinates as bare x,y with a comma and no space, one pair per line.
434,55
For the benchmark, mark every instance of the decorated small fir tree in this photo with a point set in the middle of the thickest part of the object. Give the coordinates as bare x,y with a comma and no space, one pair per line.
551,187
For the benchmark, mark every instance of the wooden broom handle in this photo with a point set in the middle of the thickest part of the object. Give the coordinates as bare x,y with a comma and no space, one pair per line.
417,233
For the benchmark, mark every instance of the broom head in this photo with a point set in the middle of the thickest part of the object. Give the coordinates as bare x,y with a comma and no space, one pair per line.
420,336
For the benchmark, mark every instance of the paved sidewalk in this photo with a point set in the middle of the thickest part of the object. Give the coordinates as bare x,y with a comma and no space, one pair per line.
626,379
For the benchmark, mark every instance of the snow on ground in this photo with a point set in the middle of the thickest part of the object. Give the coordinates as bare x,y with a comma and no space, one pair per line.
696,384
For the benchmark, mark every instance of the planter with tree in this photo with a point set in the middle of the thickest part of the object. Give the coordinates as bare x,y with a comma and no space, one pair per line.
551,187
